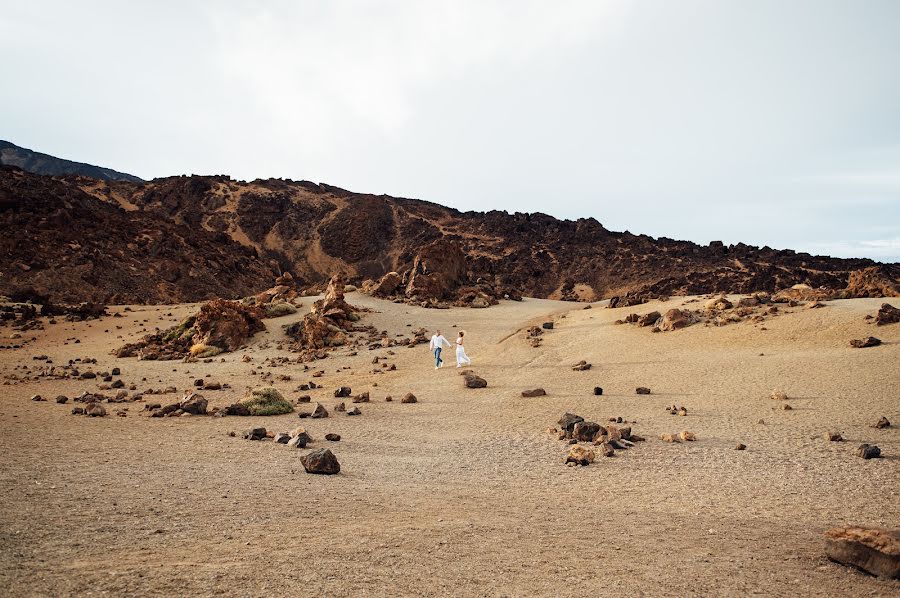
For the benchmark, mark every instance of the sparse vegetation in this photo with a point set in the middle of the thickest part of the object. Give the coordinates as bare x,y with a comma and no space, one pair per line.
202,351
278,309
267,401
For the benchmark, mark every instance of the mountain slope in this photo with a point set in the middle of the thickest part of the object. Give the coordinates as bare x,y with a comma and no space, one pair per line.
38,163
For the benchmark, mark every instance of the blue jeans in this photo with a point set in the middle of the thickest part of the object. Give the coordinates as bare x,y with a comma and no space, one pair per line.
437,357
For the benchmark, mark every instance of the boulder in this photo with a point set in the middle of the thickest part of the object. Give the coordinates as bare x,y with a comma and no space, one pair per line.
869,341
282,438
868,451
95,410
387,285
408,398
675,319
568,420
299,440
319,412
874,281
536,392
258,433
342,392
321,461
888,314
580,455
473,381
649,319
585,431
237,409
194,404
718,304
438,270
875,551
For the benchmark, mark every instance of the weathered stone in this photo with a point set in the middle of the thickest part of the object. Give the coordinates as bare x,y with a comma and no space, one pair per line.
875,551
237,409
888,314
547,325
585,431
319,412
95,410
38,398
331,437
580,455
567,421
408,398
687,436
321,461
473,381
779,395
536,392
598,391
868,451
581,366
880,424
833,436
255,434
61,399
608,450
342,392
869,341
194,404
740,447
354,411
282,438
649,319
361,398
299,440
642,390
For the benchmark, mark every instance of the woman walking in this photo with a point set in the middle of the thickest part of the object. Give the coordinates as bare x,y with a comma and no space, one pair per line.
461,357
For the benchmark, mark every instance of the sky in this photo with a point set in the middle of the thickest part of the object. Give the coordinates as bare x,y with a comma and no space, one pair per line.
768,122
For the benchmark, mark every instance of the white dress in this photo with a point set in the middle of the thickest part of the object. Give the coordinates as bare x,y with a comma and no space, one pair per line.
461,357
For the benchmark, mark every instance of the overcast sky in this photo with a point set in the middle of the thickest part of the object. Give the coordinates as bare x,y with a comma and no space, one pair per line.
770,122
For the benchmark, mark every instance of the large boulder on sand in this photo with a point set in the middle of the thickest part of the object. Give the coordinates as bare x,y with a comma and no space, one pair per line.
874,281
321,461
438,269
888,314
675,319
876,551
387,285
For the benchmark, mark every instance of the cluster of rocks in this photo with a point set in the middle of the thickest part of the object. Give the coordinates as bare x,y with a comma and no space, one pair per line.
320,461
279,300
574,429
438,278
328,325
887,314
219,326
720,311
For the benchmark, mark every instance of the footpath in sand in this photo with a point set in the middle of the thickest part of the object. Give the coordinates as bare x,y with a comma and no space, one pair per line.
463,493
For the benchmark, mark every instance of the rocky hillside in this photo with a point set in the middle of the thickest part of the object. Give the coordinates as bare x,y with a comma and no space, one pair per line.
38,163
190,238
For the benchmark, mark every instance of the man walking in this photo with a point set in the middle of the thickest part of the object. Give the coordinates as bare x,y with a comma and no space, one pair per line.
437,344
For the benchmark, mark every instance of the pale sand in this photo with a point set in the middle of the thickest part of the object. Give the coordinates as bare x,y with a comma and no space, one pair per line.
465,493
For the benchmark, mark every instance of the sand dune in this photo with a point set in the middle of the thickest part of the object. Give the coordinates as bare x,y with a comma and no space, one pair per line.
464,493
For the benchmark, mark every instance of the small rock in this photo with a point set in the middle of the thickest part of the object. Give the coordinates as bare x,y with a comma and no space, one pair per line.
62,399
537,392
299,440
642,390
389,398
37,398
319,412
687,436
354,411
342,392
581,366
779,395
255,434
473,381
869,341
282,438
740,447
77,410
547,325
568,420
340,408
95,410
598,391
833,436
608,450
880,424
668,437
332,437
408,398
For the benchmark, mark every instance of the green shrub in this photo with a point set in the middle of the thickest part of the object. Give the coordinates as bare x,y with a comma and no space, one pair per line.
267,401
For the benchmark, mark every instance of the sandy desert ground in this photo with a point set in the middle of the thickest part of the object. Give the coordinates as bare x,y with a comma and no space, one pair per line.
464,493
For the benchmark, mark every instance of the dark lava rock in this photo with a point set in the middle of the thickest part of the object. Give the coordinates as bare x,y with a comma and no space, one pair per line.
869,341
408,398
537,392
237,409
868,451
282,438
354,411
319,412
321,461
642,390
332,437
342,392
875,551
547,325
888,314
585,431
567,421
473,381
194,404
62,399
883,422
598,391
255,434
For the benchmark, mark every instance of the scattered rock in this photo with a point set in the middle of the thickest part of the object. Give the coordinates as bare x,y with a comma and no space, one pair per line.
537,392
868,451
361,398
580,455
779,395
77,410
330,437
740,447
833,436
408,398
321,461
875,551
598,391
62,399
282,438
238,409
608,449
568,420
687,436
95,410
642,390
668,437
880,424
37,398
649,319
888,314
194,404
319,412
354,411
869,341
473,381
585,431
581,366
342,392
255,434
547,325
